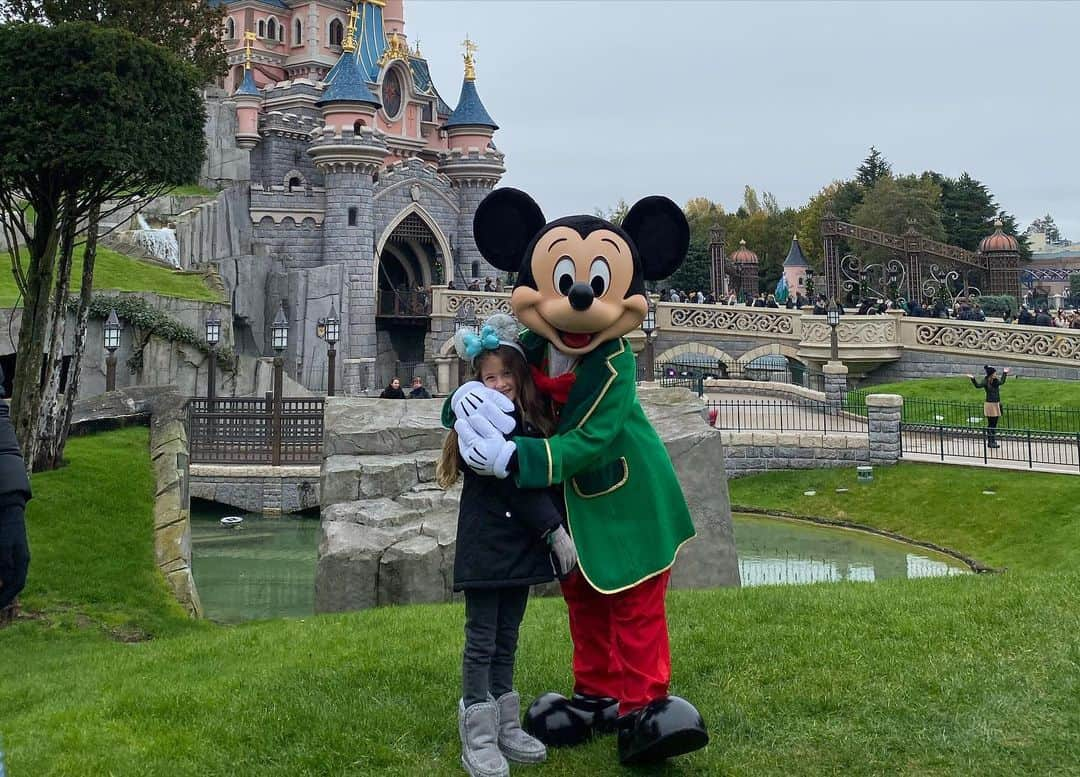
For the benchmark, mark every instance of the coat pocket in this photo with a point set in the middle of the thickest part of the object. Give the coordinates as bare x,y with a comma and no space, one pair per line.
602,480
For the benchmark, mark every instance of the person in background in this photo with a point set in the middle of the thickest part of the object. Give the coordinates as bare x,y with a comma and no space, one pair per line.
393,391
1042,318
14,494
418,391
992,407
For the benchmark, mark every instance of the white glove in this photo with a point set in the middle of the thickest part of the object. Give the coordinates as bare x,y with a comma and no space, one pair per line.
476,399
562,548
484,449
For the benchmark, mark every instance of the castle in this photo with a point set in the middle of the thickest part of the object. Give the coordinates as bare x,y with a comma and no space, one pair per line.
363,180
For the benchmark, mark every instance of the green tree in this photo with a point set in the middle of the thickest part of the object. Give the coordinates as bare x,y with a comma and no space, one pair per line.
92,119
1049,229
616,214
967,211
895,205
189,29
751,206
695,273
873,169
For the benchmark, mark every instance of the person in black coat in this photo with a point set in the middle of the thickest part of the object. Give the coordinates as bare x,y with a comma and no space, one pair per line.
14,494
507,540
992,407
393,391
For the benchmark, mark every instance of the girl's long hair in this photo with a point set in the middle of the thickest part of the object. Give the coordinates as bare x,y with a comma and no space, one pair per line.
534,408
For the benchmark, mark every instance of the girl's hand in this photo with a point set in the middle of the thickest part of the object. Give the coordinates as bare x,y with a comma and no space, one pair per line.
563,550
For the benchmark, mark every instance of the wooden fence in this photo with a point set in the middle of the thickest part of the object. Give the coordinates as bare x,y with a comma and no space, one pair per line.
234,430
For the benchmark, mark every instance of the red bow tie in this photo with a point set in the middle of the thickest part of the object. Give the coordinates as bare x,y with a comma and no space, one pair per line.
558,388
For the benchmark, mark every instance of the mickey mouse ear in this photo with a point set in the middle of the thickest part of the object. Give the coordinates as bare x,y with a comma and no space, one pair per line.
661,233
505,223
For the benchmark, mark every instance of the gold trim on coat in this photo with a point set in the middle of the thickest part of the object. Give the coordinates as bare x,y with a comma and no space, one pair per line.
620,484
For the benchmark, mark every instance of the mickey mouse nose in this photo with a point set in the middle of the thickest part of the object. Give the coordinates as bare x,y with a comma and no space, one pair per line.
581,296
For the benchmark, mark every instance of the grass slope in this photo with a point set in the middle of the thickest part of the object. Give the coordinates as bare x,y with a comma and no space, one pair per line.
116,272
1031,522
942,676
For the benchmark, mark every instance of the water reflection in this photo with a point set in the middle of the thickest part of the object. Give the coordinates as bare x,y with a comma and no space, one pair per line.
776,552
264,568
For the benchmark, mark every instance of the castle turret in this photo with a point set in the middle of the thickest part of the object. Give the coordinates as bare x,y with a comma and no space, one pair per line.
394,17
348,150
1002,255
473,165
795,267
347,102
248,101
744,264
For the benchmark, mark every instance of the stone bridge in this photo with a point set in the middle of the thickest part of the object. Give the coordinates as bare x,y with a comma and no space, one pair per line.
884,347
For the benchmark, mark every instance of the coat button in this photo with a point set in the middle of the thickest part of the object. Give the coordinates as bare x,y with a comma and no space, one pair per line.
507,513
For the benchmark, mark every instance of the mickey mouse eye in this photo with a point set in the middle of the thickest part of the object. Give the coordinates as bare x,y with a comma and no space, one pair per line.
564,274
599,276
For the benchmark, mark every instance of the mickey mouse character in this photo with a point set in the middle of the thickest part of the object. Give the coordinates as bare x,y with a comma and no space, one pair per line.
580,288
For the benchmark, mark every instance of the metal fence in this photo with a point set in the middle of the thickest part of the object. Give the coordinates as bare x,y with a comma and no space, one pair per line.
233,430
1030,446
784,416
692,377
935,412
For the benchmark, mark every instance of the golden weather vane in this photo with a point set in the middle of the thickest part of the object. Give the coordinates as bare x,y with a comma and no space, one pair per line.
470,61
349,44
249,39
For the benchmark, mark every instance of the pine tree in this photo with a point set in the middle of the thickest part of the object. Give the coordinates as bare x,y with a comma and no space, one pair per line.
967,210
873,168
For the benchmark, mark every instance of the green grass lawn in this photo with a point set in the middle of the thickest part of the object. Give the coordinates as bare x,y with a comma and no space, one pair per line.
962,675
1025,402
193,190
116,272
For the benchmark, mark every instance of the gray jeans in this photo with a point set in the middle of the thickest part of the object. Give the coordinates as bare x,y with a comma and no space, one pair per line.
492,619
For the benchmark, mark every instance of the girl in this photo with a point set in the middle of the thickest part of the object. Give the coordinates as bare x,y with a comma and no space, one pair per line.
992,406
507,540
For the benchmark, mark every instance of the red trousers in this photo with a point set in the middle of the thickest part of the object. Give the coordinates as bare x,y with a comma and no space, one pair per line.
620,641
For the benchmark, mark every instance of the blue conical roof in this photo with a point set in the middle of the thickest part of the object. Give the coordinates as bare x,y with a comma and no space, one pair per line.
346,83
795,256
470,110
248,85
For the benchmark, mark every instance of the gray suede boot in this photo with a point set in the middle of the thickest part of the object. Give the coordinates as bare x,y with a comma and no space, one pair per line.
515,744
479,729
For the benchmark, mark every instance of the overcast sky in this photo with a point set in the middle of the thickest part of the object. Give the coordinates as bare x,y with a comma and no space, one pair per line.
602,99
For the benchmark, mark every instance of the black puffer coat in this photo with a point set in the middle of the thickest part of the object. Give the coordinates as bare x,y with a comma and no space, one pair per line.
500,532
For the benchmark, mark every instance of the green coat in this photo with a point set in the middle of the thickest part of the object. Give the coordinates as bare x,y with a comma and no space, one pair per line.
625,508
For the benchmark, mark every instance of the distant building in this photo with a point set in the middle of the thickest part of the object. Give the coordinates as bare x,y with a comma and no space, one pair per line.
363,180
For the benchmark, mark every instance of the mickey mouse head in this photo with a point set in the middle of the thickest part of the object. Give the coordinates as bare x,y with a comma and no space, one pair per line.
581,279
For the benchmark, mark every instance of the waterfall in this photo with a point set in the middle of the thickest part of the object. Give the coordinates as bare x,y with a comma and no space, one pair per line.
160,243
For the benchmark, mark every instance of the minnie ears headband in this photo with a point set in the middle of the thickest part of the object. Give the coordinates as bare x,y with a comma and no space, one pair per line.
499,329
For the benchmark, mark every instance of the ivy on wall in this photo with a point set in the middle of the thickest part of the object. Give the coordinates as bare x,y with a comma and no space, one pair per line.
149,321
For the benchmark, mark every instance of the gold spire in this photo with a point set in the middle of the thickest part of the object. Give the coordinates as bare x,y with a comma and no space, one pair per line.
249,38
470,62
396,48
349,44
416,50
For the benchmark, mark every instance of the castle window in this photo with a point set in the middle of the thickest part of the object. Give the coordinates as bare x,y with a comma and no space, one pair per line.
352,217
298,33
357,125
295,183
337,32
476,269
281,33
262,28
271,29
230,28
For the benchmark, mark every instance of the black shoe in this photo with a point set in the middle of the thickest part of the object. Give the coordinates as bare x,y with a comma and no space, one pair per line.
602,711
560,722
662,729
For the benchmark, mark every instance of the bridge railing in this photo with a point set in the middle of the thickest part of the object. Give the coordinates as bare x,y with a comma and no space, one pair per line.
249,430
1011,341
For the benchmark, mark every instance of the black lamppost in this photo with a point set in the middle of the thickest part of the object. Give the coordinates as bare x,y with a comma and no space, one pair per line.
111,335
648,326
832,315
279,339
333,333
810,285
894,278
213,337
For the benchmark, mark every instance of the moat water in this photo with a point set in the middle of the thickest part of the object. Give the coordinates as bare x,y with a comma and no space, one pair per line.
265,567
